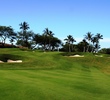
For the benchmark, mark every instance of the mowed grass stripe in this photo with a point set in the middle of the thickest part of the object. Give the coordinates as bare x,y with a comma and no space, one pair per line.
49,83
48,88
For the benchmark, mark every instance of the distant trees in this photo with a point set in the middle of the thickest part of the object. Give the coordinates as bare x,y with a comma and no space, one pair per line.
94,40
105,50
47,40
82,46
7,32
90,43
69,42
88,37
55,43
25,36
98,37
48,36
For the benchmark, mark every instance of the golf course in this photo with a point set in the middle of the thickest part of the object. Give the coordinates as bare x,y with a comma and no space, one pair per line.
53,76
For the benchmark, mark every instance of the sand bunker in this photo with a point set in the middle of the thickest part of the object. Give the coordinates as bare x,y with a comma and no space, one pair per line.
14,61
77,56
98,55
1,61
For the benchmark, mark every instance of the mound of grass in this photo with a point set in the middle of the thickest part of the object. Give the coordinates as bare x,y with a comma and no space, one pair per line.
52,76
51,60
72,53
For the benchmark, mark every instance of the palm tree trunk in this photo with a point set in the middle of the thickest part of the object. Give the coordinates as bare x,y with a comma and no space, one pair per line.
72,47
84,50
44,47
87,48
49,46
69,48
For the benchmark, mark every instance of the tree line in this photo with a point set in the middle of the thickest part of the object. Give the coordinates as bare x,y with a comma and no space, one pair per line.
47,40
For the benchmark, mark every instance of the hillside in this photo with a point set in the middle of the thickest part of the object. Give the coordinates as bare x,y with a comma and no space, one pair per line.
54,76
52,60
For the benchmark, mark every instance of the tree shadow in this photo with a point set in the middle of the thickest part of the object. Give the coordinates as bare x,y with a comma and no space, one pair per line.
5,57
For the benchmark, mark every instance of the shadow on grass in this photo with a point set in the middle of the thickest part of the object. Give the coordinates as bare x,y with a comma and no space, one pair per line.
5,57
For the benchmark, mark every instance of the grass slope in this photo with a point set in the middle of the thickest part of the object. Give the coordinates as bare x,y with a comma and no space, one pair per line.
54,77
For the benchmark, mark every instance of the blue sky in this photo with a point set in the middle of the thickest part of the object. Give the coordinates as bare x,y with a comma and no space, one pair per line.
63,17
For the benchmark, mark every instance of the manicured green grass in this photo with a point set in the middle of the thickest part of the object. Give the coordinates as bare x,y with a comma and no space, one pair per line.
51,76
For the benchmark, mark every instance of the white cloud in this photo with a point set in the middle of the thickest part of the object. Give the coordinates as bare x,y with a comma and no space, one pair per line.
78,39
105,40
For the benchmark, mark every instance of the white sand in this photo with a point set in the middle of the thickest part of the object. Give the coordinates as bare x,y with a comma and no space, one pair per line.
77,56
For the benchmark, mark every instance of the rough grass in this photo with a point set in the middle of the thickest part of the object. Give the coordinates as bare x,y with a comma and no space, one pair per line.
51,76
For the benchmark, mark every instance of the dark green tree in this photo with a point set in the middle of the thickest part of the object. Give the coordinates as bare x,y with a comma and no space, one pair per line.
94,41
82,46
48,35
98,37
27,40
72,43
23,35
69,41
55,43
6,32
88,37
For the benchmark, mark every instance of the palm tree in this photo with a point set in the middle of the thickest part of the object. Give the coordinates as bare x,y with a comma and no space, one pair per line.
45,37
50,38
72,41
69,40
48,32
94,40
55,43
88,36
48,35
24,26
84,42
98,37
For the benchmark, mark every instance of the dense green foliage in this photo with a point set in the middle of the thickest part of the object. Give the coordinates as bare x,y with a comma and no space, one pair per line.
7,32
54,76
47,40
105,50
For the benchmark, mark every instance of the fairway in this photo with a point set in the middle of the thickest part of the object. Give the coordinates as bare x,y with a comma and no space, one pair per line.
51,76
54,85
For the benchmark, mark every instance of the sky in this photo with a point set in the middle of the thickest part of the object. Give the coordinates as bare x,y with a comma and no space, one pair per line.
62,17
